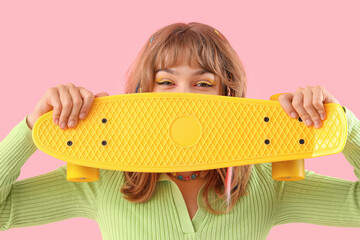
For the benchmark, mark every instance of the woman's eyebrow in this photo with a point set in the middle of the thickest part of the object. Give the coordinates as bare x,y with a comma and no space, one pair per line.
200,72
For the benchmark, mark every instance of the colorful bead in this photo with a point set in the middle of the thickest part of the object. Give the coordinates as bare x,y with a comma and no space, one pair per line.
219,34
186,178
151,40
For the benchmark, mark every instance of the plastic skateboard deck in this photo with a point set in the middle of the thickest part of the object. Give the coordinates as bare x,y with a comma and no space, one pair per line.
176,132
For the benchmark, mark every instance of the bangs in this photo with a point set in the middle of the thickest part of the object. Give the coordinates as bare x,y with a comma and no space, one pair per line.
194,51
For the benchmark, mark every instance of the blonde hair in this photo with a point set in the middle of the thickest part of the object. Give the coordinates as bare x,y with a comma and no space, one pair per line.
198,45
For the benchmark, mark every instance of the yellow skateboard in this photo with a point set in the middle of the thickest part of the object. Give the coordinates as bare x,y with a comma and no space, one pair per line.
178,132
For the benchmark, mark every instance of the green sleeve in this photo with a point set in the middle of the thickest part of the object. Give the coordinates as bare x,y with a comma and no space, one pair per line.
41,199
325,200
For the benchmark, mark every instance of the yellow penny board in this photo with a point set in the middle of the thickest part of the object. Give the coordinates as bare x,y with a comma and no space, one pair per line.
176,132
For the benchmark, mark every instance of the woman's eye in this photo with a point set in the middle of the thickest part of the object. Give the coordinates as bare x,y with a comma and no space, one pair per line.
163,83
207,85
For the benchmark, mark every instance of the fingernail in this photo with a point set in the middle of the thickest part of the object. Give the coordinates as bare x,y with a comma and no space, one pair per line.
82,115
72,124
308,122
322,116
317,124
63,125
293,115
56,122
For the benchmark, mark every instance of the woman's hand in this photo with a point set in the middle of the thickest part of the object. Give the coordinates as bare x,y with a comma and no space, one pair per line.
69,103
308,104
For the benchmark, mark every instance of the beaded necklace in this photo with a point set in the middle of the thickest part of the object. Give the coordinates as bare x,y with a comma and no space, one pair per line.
186,178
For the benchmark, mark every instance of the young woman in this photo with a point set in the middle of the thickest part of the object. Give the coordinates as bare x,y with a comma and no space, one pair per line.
192,58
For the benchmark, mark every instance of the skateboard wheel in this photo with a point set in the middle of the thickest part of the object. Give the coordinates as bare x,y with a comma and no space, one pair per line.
292,170
78,173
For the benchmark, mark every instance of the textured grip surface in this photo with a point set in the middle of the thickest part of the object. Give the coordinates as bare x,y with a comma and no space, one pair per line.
163,132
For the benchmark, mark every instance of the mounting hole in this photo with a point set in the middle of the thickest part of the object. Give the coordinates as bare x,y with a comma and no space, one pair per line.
104,120
104,143
69,143
301,141
267,141
266,119
300,120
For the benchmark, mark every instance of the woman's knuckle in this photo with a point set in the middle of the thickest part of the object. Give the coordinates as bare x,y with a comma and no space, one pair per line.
307,105
57,106
67,104
316,118
318,104
88,92
297,104
77,101
89,98
63,118
305,116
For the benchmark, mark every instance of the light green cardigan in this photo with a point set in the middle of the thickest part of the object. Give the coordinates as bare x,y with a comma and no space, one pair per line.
48,198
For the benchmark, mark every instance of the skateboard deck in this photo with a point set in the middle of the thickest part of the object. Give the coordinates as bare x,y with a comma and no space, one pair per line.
177,132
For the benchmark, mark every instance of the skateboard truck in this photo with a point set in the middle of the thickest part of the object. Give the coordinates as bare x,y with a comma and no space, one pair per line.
290,170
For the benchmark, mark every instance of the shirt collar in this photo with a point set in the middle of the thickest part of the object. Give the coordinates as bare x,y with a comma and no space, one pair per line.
164,177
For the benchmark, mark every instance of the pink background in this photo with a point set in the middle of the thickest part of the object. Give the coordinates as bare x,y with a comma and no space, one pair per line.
283,45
